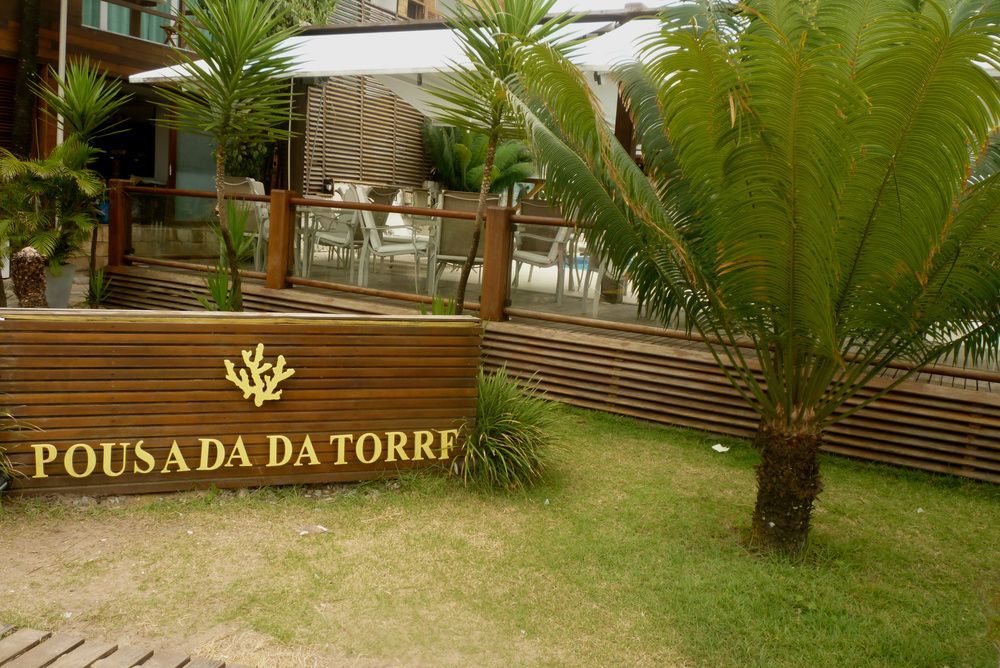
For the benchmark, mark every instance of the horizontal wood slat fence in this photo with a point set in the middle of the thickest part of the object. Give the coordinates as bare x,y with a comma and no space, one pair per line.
117,377
919,425
663,378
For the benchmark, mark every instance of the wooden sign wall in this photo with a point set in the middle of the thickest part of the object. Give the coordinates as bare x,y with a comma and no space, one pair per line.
117,402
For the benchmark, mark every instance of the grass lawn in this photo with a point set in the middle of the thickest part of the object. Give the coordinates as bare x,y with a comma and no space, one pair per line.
631,555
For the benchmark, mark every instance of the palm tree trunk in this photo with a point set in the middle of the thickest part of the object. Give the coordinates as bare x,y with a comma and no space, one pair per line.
236,301
27,70
484,190
788,482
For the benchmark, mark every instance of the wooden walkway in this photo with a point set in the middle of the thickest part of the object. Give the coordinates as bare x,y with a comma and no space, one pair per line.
26,648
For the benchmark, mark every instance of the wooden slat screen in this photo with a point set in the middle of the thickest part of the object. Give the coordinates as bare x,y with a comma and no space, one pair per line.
8,74
359,131
918,425
79,377
360,11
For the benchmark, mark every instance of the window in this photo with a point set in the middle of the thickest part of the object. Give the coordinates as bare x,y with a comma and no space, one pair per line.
92,13
415,10
152,25
147,25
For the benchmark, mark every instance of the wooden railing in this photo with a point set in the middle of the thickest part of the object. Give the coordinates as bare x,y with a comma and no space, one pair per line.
498,247
497,242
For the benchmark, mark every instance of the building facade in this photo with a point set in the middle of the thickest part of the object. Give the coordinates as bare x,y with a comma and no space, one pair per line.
352,128
121,38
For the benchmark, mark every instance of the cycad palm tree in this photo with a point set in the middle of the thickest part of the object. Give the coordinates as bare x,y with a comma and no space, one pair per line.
87,106
804,203
234,89
50,204
458,158
476,98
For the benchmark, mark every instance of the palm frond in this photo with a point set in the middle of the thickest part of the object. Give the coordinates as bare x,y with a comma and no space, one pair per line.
235,73
88,103
804,187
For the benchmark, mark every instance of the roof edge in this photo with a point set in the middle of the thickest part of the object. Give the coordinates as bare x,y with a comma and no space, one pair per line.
612,16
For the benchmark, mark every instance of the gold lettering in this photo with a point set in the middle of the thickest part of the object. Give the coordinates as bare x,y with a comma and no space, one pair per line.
307,451
448,437
359,449
45,453
109,451
241,450
341,440
287,450
220,454
422,445
146,458
71,463
177,459
396,443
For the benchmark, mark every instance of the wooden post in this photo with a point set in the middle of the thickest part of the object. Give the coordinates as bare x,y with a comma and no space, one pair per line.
280,236
119,223
498,251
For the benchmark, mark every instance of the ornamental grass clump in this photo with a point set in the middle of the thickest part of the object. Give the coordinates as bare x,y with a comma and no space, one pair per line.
509,445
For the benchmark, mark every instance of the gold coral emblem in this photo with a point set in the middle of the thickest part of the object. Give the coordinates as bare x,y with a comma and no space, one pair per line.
257,384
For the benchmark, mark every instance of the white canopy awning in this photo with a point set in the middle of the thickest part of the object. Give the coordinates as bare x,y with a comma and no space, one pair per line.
409,61
384,52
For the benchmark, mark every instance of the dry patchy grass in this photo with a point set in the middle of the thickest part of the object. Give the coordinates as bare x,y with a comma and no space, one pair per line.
631,554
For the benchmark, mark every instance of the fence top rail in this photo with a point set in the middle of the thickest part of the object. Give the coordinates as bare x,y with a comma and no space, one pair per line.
204,194
548,221
318,202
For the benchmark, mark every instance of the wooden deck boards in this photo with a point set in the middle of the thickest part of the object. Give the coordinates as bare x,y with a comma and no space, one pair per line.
26,648
942,423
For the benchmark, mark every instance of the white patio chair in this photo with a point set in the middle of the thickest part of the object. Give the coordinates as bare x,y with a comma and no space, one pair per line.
379,243
453,236
339,230
541,245
595,269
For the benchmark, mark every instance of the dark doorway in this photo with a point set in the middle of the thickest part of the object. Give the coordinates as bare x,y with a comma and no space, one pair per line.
130,152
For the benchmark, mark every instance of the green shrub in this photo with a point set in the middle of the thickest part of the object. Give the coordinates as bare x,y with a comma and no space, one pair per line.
98,288
508,446
222,296
439,306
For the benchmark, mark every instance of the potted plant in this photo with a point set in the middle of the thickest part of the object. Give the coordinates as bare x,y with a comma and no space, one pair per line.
50,205
87,103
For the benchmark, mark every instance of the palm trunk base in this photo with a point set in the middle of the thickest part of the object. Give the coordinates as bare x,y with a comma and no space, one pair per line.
788,482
